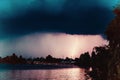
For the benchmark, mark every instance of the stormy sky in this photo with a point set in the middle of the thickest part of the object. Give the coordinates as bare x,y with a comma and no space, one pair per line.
41,27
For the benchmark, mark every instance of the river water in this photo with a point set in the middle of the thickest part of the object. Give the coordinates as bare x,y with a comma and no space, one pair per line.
42,74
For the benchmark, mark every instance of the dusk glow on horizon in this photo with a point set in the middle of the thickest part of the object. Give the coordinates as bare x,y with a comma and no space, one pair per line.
55,44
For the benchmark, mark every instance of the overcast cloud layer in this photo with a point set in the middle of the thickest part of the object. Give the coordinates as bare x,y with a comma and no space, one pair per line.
21,17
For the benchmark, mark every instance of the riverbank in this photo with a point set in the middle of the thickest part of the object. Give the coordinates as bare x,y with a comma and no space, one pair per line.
34,66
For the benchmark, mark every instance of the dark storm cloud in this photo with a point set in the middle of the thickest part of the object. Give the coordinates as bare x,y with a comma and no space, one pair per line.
92,21
72,17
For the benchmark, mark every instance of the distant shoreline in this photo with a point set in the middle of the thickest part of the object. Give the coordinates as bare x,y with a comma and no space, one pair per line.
34,66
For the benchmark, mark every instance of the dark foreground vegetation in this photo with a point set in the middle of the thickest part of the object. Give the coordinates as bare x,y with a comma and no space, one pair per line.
106,62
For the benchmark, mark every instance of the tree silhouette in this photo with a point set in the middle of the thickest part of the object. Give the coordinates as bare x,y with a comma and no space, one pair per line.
99,60
83,61
113,36
49,59
13,59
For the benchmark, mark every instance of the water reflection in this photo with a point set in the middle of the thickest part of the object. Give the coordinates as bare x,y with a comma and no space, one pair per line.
51,74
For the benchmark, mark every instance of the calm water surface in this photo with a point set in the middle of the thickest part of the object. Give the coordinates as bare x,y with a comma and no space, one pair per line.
51,74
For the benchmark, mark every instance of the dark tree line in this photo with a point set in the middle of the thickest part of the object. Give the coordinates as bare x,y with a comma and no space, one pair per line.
14,59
